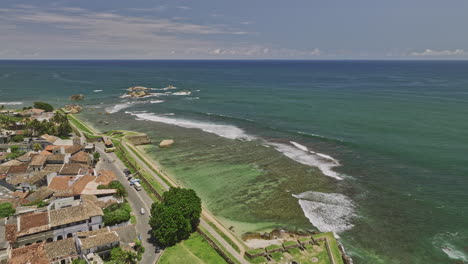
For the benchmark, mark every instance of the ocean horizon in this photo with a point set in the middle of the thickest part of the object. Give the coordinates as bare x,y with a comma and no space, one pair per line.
373,150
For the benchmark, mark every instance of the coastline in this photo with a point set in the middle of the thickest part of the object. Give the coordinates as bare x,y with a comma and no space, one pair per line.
169,180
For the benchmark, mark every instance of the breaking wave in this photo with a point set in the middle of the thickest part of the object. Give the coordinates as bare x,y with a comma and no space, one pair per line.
303,155
11,103
116,108
156,101
446,242
227,131
97,91
329,212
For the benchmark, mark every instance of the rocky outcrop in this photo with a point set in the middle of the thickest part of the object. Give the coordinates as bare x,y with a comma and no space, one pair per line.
137,94
139,139
76,97
166,143
73,108
137,88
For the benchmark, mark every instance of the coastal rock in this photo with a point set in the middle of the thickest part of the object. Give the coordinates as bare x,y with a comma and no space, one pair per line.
137,88
137,94
139,139
166,143
76,97
73,108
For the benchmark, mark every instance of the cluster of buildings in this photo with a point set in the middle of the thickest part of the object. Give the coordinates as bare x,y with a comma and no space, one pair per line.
59,207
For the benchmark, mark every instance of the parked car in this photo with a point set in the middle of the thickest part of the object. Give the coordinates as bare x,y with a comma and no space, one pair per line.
130,178
142,211
126,171
137,186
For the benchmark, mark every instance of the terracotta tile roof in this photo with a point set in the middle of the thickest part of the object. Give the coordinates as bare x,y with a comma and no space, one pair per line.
73,214
127,234
40,194
20,194
61,182
33,222
4,169
33,254
98,239
81,157
72,168
105,177
49,138
18,179
60,249
22,168
56,157
53,167
81,183
11,232
38,160
12,163
73,149
45,153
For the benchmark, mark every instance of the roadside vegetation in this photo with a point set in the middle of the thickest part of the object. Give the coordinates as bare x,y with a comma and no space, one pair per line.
121,192
176,217
193,250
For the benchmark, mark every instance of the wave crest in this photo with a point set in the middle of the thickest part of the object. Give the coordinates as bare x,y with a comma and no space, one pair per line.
226,131
329,212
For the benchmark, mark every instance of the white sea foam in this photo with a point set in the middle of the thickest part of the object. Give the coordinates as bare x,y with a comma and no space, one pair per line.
302,155
11,103
97,91
446,241
227,131
116,108
299,146
156,101
454,254
329,212
182,93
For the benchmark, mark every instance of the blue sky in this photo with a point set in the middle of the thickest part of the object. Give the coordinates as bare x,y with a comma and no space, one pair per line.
219,29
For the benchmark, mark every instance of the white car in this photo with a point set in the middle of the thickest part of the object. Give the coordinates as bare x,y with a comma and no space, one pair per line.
142,211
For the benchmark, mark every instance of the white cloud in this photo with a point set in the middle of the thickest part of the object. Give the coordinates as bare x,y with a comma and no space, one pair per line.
430,52
315,52
184,7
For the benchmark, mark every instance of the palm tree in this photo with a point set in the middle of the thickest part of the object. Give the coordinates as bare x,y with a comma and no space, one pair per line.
37,147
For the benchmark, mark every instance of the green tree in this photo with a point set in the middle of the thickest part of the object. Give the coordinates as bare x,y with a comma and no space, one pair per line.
96,157
79,261
17,138
187,202
6,209
116,214
37,147
44,106
118,256
169,226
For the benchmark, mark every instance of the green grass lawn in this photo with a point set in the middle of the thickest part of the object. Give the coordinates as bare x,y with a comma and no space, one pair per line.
193,250
78,124
333,245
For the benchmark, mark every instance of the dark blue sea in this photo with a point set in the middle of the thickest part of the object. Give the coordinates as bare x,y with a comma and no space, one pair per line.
375,151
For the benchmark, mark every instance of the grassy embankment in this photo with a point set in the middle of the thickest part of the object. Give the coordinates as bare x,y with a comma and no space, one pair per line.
193,250
313,254
133,166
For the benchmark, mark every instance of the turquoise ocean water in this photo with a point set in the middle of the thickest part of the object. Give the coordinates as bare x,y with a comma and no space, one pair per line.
375,151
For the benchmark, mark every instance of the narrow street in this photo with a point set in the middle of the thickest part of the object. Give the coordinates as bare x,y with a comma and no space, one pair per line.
137,199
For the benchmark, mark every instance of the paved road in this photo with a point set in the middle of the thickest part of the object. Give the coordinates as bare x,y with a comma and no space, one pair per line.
137,199
211,230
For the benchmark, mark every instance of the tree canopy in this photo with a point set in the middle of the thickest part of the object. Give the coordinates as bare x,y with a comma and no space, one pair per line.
176,217
6,209
44,106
